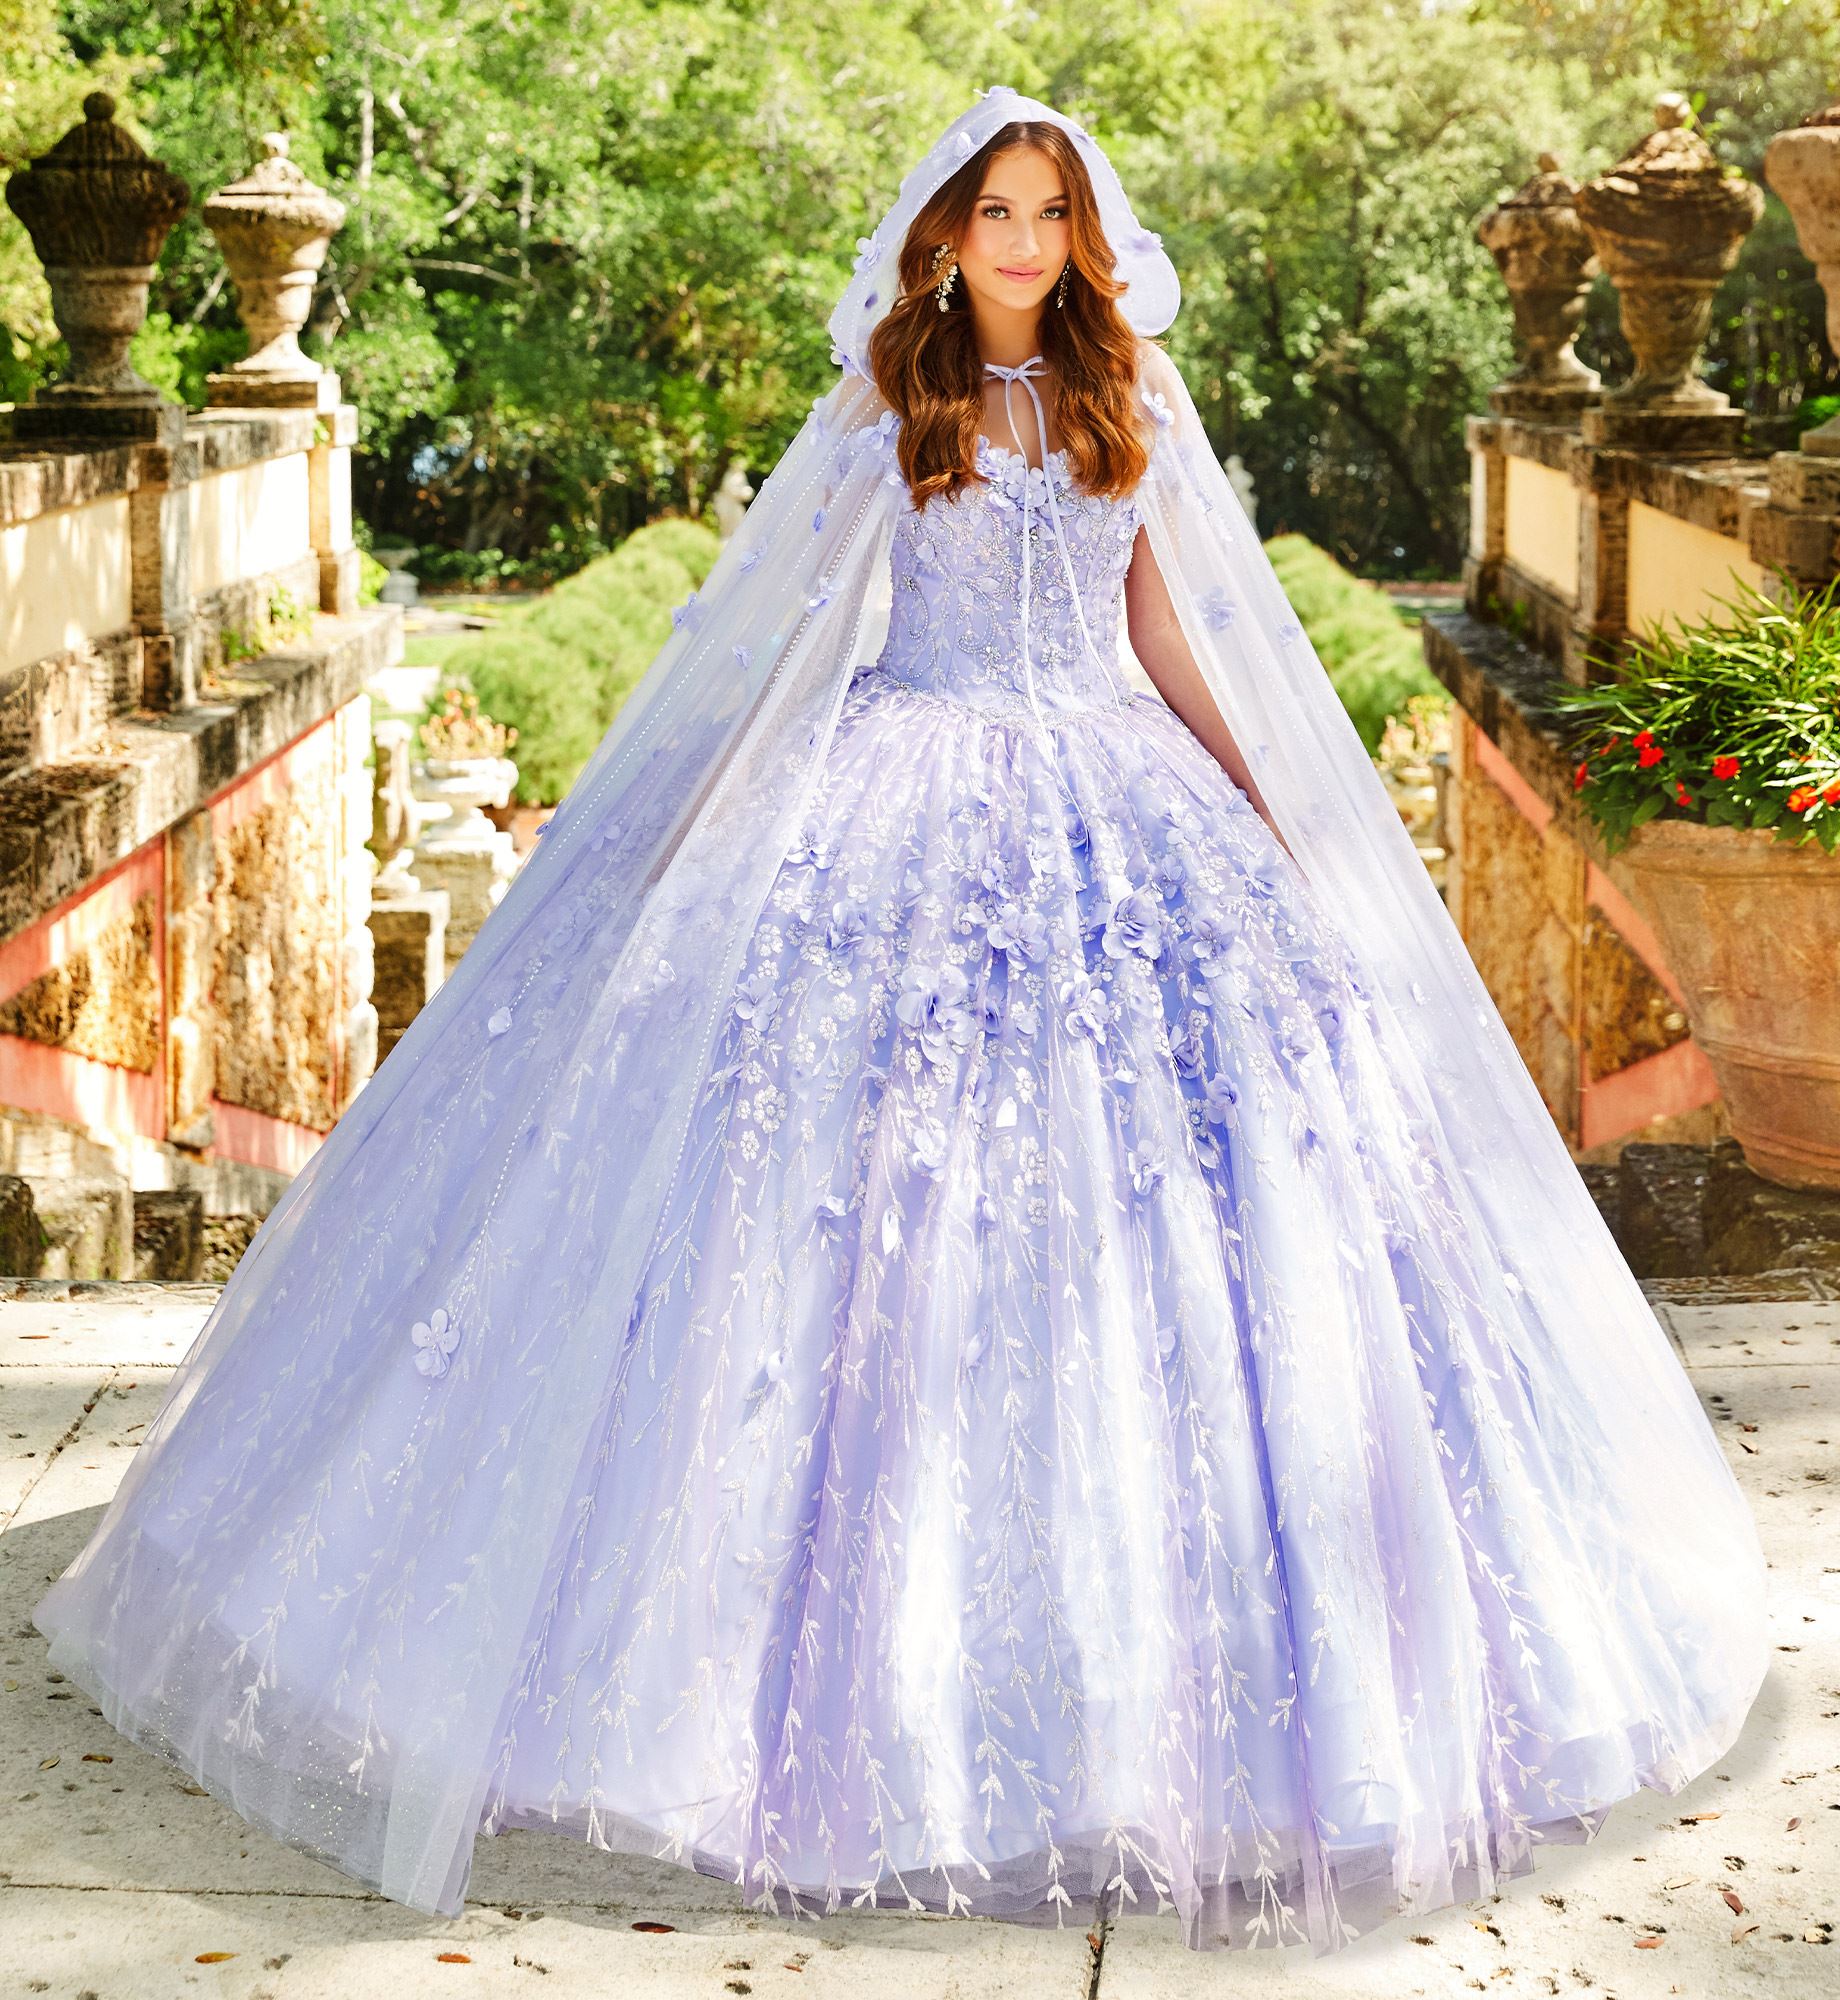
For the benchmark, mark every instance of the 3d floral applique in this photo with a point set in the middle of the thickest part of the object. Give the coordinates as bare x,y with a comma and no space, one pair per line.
1148,1171
435,1339
498,1022
1218,609
1135,925
1159,408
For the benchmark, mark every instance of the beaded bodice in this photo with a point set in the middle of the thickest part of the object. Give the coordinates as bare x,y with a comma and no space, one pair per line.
984,607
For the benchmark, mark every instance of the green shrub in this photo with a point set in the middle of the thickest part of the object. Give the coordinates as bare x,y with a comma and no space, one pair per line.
1372,655
558,669
1732,719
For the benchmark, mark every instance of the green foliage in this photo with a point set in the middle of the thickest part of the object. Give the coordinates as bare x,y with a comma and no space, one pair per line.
282,617
559,669
1371,654
1731,720
177,358
590,244
372,576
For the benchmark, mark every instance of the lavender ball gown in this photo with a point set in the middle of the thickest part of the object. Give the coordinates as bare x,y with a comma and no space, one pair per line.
1066,1460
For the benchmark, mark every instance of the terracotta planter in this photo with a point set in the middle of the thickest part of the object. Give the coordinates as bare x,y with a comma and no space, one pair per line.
1751,928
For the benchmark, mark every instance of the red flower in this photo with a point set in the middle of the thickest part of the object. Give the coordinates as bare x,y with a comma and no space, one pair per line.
1581,777
1724,767
1644,740
1682,796
1831,797
1610,743
1802,798
1652,755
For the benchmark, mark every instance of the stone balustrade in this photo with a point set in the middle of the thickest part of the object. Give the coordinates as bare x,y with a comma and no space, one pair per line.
1597,513
186,782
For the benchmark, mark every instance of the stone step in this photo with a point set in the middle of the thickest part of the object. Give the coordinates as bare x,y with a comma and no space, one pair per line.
88,1227
169,1233
1683,1214
22,1242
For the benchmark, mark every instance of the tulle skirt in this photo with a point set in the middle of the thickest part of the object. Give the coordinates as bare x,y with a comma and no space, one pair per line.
1072,1449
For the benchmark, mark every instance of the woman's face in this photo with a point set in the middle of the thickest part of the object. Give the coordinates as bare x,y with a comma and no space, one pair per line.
1019,237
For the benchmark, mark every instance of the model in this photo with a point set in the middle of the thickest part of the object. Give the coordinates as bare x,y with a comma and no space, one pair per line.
962,1303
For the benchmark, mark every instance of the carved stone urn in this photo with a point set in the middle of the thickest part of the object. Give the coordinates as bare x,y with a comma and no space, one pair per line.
1547,263
1667,223
1803,166
98,211
274,226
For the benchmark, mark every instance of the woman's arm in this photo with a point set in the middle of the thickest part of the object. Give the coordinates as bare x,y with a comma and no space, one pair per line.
1159,643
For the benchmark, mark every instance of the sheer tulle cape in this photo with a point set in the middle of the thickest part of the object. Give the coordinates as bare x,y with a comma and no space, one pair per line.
368,1738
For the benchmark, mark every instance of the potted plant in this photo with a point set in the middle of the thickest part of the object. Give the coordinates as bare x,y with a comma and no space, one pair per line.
463,765
1713,766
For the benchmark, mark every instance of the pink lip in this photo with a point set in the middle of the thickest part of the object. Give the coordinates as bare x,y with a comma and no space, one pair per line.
1023,277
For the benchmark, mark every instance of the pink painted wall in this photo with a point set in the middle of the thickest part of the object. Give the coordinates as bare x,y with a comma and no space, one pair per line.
107,1098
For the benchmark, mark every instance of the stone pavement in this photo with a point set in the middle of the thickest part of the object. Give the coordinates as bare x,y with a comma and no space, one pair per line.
120,1881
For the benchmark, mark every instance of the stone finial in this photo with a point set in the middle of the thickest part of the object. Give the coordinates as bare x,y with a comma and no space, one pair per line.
273,226
1667,222
1547,263
1803,166
98,211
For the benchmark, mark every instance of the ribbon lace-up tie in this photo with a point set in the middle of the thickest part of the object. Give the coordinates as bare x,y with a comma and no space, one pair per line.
1024,372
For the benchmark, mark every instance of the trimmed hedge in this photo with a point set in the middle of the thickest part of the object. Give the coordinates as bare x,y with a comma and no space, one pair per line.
558,670
1372,655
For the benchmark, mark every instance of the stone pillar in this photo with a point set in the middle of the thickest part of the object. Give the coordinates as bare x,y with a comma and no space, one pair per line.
1489,512
1667,222
463,852
160,549
191,1073
1600,620
98,211
329,499
410,938
1547,263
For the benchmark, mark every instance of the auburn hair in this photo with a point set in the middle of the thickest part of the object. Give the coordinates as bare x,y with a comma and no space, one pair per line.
926,362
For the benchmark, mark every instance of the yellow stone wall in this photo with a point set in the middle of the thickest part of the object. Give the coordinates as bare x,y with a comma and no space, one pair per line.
87,550
1677,569
1542,524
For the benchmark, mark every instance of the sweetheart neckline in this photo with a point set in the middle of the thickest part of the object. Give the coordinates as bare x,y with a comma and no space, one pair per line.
1005,451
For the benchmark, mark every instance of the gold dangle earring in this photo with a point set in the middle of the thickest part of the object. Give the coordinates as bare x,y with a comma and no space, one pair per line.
951,271
1060,290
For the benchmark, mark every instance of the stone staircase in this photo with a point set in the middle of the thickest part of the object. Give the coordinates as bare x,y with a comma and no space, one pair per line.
1696,1223
69,1209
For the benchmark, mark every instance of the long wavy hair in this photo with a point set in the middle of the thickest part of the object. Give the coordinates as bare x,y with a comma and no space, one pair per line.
926,362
